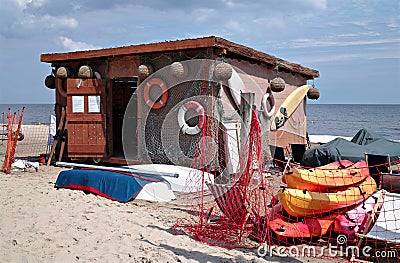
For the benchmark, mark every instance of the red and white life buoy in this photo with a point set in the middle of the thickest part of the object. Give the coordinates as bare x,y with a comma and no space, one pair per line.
194,105
268,105
164,96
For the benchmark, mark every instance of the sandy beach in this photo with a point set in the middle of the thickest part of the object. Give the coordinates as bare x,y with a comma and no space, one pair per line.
42,224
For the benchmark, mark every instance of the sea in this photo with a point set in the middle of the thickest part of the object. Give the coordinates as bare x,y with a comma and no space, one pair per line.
348,119
322,119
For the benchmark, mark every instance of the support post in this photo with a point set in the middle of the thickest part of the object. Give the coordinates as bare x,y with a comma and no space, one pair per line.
265,132
246,106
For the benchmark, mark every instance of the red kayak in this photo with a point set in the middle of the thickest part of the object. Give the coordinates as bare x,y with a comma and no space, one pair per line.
287,226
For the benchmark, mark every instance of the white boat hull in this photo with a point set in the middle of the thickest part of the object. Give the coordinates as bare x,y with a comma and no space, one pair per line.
189,180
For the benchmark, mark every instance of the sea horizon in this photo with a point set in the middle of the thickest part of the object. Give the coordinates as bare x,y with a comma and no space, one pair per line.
336,119
309,103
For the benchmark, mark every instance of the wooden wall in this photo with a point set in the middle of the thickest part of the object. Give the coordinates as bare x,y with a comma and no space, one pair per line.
258,75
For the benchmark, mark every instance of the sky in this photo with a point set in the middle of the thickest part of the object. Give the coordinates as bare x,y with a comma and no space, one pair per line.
354,44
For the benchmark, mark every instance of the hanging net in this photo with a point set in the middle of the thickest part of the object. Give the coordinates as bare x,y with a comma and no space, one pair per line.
342,210
230,210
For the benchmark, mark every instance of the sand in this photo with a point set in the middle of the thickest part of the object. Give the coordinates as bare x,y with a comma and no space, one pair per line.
42,224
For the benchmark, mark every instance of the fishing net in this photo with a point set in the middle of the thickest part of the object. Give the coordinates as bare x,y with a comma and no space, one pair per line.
342,210
238,197
161,124
33,140
232,209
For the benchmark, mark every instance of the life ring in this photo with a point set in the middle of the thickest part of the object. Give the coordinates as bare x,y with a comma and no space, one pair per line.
271,104
164,96
194,105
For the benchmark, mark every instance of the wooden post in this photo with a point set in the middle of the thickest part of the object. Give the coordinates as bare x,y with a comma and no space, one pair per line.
246,106
265,131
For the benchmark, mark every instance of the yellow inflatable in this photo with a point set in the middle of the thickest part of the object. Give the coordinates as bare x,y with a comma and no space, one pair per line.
323,180
306,203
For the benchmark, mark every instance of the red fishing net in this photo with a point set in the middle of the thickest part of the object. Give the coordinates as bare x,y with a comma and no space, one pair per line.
231,209
341,210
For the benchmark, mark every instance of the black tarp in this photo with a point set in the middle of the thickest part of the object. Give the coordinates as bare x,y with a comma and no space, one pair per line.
354,150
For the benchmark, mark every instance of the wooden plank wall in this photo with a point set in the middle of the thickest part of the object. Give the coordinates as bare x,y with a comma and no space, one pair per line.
86,131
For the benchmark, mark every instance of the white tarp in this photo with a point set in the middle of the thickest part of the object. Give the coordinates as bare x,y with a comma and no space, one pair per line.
52,130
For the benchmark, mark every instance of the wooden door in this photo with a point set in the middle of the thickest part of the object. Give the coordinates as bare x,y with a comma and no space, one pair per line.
86,118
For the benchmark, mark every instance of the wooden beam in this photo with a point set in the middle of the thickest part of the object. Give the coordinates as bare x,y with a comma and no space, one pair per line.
246,107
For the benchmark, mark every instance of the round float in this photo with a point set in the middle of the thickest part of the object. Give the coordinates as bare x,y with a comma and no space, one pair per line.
149,87
186,128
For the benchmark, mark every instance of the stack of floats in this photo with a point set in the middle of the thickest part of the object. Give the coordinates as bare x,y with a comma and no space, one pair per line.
339,196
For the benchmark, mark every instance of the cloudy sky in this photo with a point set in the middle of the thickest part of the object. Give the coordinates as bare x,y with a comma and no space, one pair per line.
355,44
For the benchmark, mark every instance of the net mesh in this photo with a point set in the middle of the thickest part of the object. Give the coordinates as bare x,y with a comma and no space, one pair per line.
162,123
36,142
342,210
156,120
34,139
231,211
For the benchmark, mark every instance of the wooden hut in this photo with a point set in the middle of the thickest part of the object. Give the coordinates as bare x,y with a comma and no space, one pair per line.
96,87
